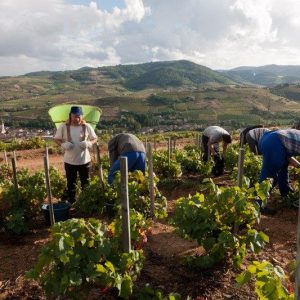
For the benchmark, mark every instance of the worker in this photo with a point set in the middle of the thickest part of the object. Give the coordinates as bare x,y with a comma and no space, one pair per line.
278,149
126,144
251,136
76,137
211,138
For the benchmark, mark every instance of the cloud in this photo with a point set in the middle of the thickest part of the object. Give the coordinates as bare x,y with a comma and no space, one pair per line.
55,35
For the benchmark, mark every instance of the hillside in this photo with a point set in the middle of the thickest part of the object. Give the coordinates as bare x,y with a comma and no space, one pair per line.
165,74
175,94
289,91
269,75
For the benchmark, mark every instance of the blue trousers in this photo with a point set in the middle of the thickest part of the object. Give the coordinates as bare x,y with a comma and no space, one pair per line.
275,161
136,161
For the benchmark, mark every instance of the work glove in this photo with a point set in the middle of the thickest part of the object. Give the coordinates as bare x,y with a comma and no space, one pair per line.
85,144
67,145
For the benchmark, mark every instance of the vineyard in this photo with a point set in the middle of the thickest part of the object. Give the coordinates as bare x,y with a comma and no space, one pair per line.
192,236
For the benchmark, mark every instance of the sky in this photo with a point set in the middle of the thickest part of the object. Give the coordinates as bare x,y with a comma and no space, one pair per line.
59,35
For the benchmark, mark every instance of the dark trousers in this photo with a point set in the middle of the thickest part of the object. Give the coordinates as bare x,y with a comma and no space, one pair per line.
205,140
218,168
71,173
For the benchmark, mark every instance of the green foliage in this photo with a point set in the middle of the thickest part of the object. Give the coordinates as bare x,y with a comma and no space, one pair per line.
92,198
58,183
32,143
6,173
19,208
148,293
252,167
191,162
270,281
232,156
162,168
15,221
84,254
139,228
139,195
252,163
221,222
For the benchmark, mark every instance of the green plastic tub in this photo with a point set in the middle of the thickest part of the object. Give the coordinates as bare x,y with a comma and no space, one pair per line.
60,114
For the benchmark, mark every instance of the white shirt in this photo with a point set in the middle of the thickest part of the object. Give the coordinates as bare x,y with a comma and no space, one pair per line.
257,133
215,134
76,155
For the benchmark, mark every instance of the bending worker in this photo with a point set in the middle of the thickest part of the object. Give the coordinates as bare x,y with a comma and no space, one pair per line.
211,138
126,144
251,136
278,148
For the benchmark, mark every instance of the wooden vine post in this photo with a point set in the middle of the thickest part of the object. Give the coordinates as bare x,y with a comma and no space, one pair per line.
169,151
240,177
174,144
241,167
99,165
48,186
126,236
5,158
151,178
15,157
14,168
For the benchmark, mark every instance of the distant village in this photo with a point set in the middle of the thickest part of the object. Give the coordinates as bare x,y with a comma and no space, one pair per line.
9,133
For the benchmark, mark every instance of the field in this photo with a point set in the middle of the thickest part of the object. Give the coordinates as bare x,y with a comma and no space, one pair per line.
165,251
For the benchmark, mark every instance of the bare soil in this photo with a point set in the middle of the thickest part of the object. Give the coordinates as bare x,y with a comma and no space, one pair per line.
165,252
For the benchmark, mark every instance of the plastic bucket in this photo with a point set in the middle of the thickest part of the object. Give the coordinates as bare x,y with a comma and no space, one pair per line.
61,211
60,114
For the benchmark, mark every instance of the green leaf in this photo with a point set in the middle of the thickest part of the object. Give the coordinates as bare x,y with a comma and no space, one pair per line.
126,287
75,279
100,268
252,269
64,258
110,266
264,237
243,278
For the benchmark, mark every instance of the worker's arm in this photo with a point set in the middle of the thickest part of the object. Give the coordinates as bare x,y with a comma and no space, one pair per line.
225,145
210,148
58,137
294,162
113,150
58,141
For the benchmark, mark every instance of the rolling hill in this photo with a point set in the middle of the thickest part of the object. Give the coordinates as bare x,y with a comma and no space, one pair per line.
166,74
269,75
160,93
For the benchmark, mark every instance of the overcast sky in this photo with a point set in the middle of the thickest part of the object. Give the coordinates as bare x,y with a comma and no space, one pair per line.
220,34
